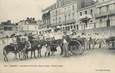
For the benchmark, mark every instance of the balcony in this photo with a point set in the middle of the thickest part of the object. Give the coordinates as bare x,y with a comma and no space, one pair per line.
99,15
64,22
70,21
103,14
112,12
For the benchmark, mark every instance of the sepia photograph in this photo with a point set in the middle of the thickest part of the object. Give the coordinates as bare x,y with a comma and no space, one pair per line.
57,36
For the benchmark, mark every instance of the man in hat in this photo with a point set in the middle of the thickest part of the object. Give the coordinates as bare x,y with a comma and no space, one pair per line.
66,40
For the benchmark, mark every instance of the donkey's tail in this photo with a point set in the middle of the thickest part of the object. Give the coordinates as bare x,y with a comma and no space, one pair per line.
4,52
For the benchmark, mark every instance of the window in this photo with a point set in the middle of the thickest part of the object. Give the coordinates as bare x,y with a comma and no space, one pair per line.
71,27
107,8
73,14
100,10
59,19
74,27
112,7
83,33
91,21
91,11
53,13
73,7
68,28
108,22
65,17
80,13
56,12
63,28
53,19
104,9
100,20
85,12
77,27
69,16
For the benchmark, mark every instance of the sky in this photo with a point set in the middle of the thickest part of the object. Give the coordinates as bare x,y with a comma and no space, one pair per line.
17,10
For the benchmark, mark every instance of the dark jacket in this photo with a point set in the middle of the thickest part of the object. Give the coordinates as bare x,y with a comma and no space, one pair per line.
67,38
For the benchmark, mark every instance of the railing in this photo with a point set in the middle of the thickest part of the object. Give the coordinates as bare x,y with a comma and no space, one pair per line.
71,21
112,12
101,14
64,22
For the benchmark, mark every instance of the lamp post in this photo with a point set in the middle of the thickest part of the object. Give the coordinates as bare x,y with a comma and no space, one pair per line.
108,25
63,24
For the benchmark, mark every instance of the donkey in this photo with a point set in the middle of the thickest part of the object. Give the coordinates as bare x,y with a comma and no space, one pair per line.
35,46
12,48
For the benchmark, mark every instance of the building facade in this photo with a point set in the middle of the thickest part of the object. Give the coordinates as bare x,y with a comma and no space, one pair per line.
86,20
1,29
27,26
85,3
46,17
8,28
105,18
97,20
92,18
63,15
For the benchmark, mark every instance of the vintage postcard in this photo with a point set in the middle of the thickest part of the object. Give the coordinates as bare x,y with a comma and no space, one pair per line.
57,36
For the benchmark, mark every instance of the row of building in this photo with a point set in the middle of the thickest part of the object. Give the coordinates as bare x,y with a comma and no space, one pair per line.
92,18
27,26
7,28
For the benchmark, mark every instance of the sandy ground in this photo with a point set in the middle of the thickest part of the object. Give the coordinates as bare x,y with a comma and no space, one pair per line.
95,61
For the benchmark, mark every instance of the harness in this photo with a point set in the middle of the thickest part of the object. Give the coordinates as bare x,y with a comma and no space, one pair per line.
27,44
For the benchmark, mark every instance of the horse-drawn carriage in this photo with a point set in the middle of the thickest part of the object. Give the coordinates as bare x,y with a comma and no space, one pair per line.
76,46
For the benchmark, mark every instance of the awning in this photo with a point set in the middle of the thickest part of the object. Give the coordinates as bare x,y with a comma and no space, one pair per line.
84,17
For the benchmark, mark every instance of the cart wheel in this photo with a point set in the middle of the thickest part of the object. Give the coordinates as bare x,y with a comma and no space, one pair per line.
77,48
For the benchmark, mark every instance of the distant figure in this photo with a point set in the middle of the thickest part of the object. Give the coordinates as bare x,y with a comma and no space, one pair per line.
66,40
90,43
30,38
18,40
48,49
100,44
14,39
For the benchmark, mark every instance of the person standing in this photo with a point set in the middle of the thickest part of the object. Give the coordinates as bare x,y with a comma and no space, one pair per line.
30,38
66,40
18,40
27,47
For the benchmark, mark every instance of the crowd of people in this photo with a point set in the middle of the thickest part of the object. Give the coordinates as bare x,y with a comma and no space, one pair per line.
27,43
